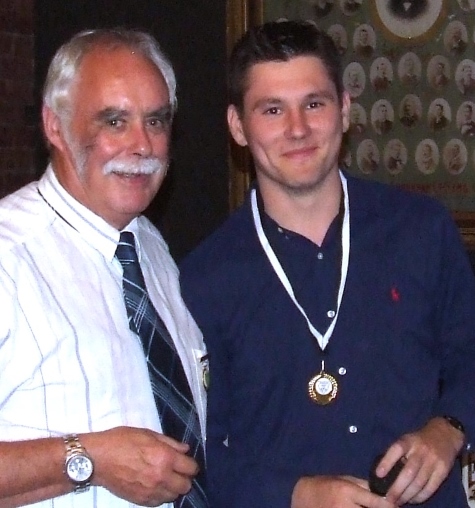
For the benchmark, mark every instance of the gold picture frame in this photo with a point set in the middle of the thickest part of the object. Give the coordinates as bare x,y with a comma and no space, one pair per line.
241,14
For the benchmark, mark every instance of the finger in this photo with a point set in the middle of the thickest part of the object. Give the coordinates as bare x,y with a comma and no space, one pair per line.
185,465
401,487
177,445
179,485
431,485
357,481
414,480
393,454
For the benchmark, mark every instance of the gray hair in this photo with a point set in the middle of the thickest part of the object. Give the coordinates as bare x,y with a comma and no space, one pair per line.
67,60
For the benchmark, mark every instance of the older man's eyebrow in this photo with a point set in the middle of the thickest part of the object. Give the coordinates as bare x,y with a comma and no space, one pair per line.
111,114
163,114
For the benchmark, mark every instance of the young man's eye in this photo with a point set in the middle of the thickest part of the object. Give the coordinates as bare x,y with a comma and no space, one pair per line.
314,105
272,111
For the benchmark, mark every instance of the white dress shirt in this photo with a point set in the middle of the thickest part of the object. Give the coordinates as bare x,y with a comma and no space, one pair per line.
68,361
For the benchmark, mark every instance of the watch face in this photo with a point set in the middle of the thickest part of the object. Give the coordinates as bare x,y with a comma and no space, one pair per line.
79,468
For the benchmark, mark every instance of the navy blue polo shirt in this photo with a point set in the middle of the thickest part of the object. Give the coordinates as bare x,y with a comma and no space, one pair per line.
402,351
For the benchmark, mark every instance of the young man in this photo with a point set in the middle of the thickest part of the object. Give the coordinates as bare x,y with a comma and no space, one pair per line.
82,420
338,312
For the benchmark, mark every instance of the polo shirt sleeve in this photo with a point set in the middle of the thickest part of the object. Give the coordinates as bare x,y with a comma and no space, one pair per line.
456,316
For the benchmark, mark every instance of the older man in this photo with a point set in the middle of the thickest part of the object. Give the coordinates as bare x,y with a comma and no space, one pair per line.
87,286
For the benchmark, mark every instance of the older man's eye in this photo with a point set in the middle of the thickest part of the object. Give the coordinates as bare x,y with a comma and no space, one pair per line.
158,123
115,122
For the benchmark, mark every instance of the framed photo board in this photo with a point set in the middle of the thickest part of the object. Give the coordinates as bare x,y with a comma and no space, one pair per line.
409,67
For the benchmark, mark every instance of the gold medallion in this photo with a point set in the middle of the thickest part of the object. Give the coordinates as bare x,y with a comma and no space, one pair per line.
322,388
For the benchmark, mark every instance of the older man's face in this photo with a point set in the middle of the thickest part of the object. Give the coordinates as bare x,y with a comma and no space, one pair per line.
113,154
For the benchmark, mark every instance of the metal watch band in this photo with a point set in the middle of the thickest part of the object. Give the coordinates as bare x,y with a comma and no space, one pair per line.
456,424
73,449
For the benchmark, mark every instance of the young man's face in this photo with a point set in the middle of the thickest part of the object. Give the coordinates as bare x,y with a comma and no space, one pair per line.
293,122
120,118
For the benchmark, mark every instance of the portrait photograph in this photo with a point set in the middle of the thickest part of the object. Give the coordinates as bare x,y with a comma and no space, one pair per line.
395,156
339,36
439,115
409,69
438,72
427,156
465,76
454,156
408,19
354,79
466,119
358,120
368,157
410,110
456,38
364,41
382,116
381,74
350,7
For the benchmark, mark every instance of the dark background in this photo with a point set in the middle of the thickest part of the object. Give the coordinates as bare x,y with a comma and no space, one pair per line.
195,196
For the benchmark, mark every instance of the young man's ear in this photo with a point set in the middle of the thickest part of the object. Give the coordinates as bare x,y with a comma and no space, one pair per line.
52,128
235,126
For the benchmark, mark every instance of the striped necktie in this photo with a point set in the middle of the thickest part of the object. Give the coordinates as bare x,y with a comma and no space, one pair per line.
170,386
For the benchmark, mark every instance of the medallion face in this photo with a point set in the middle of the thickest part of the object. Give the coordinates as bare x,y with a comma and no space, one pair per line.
323,388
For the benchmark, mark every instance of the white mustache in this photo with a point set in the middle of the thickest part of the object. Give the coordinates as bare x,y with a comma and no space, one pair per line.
147,166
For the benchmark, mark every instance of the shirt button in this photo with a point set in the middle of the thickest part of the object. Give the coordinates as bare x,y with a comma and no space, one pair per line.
320,255
353,429
331,313
342,371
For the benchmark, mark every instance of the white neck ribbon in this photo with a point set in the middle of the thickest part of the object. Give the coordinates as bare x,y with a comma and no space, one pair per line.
345,257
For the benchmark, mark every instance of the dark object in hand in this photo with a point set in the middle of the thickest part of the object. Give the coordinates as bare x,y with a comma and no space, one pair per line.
379,485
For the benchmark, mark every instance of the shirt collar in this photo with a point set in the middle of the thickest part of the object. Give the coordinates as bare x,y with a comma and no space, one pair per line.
92,228
274,230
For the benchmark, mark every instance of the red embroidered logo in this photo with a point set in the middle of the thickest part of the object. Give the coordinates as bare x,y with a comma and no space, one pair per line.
395,296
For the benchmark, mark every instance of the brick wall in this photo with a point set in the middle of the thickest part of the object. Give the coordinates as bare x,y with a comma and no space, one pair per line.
18,124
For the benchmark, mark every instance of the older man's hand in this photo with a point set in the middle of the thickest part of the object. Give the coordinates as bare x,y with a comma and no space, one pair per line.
140,465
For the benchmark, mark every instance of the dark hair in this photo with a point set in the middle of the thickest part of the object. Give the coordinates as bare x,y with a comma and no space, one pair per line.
280,41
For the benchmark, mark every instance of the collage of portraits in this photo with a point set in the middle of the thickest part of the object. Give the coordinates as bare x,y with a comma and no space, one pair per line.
409,68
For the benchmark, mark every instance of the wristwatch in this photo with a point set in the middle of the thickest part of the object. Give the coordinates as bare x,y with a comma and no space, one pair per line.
78,465
456,424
